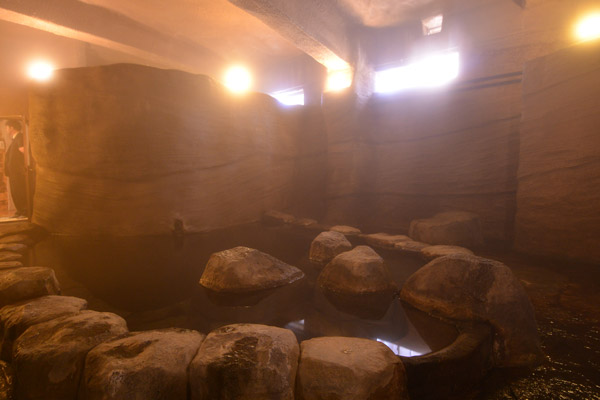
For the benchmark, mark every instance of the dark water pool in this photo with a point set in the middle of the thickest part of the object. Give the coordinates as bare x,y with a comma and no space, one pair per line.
153,281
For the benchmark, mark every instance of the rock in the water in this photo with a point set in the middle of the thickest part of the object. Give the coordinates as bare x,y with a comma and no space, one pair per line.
10,256
245,270
384,240
10,264
473,288
6,381
456,228
346,230
14,247
410,246
342,368
327,245
276,218
48,358
245,361
16,318
358,282
431,252
148,365
26,283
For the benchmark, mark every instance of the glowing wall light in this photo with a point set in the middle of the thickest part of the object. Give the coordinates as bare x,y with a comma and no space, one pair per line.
588,28
432,71
238,79
338,79
40,71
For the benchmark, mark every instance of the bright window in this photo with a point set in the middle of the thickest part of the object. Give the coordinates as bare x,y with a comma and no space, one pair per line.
429,72
290,97
432,25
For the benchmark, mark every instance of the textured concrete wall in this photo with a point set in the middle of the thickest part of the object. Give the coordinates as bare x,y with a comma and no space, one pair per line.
126,150
558,196
413,155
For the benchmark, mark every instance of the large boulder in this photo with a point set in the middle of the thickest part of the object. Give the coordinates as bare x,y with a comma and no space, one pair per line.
457,228
473,288
16,318
327,245
342,368
244,270
245,362
148,365
48,358
358,282
25,283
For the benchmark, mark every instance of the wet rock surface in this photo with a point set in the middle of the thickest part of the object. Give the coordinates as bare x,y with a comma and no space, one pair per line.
358,282
346,230
410,246
6,381
245,361
14,247
10,256
327,245
341,368
148,365
457,228
48,358
26,283
244,270
16,318
466,287
10,264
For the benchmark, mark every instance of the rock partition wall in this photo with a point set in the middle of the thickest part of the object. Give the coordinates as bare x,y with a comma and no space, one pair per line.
127,150
415,154
558,195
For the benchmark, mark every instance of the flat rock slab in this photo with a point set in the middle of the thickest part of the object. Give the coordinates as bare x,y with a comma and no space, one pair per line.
358,282
14,247
26,283
246,362
16,318
346,230
149,365
342,368
10,256
277,218
246,270
48,358
18,238
10,264
410,246
431,252
12,228
457,228
327,245
384,240
466,287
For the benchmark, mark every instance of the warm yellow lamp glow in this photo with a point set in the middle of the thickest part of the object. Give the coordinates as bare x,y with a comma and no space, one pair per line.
589,27
40,71
338,79
238,79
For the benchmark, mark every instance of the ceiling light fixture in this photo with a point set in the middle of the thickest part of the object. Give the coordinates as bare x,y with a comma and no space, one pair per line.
40,71
238,79
588,27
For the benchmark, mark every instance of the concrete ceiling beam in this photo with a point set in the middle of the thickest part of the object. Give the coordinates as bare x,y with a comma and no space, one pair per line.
319,28
99,26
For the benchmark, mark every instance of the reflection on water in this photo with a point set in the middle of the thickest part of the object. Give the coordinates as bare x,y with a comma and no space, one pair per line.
154,281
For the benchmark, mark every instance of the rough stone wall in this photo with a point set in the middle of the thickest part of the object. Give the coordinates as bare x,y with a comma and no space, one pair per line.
413,155
558,198
127,149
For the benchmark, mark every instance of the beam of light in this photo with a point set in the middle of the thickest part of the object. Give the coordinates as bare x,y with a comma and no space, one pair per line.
588,28
432,25
400,350
238,79
290,97
40,71
338,79
433,71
